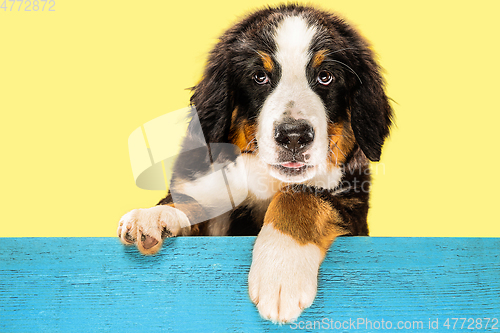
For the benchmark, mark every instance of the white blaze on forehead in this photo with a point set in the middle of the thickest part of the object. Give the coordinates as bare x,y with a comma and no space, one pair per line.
293,40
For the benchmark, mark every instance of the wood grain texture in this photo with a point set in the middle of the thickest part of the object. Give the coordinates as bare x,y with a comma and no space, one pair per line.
199,284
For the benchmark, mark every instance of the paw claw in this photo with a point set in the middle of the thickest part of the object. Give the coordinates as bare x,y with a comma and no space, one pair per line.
165,233
126,238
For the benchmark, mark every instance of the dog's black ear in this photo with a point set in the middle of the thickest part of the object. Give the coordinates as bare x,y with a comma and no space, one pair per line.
371,114
212,97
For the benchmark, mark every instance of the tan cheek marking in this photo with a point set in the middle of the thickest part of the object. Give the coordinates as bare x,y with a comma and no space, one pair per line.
341,142
237,137
318,58
243,136
250,131
305,217
267,61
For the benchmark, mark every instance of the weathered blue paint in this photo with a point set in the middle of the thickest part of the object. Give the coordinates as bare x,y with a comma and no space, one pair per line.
199,284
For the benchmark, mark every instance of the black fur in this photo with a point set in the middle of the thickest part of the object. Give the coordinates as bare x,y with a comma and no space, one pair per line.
244,222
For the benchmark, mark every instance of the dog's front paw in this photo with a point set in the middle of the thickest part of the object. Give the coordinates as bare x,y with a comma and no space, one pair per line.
284,275
146,227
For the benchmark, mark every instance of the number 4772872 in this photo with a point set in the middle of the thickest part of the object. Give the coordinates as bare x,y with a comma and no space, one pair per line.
28,5
471,323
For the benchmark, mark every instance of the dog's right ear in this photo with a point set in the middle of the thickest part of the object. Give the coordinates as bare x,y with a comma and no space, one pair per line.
212,98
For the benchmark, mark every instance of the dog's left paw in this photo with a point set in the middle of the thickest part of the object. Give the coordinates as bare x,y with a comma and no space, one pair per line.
284,275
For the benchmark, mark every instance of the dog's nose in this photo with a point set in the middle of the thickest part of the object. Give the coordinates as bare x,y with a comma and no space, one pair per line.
294,136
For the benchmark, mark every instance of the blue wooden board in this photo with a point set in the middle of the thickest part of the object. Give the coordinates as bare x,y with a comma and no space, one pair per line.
199,284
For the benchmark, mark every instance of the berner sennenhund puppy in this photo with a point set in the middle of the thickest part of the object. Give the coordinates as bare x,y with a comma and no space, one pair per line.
296,91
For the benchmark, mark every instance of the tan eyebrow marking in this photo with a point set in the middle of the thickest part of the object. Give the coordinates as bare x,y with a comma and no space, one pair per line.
318,58
267,61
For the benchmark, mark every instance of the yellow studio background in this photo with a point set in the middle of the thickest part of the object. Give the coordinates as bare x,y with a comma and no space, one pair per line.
74,83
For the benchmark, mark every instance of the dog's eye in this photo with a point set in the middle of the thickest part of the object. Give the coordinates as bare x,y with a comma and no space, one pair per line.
260,77
325,78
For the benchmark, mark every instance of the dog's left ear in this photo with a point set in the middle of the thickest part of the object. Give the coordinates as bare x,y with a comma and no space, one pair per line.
371,113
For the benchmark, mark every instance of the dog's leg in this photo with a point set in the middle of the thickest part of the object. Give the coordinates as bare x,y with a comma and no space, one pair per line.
298,229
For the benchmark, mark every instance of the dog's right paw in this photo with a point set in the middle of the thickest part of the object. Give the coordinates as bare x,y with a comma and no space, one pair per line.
146,227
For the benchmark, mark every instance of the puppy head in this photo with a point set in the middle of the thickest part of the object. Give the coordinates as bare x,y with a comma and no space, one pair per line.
297,87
